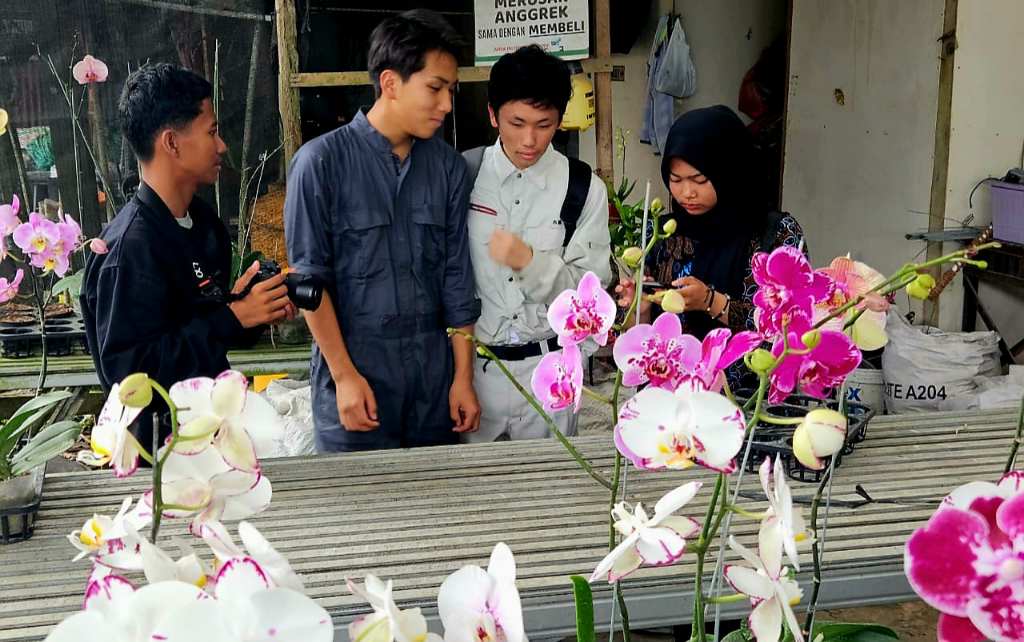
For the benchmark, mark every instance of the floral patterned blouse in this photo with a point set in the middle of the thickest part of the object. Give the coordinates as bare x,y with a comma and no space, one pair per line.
673,259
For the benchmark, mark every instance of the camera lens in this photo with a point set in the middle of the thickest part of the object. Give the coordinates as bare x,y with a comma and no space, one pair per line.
304,291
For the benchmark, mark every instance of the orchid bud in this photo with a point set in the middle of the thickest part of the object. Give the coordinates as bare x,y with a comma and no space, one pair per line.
760,361
656,205
669,228
821,434
4,119
632,256
811,339
981,265
136,391
98,246
921,287
480,350
673,302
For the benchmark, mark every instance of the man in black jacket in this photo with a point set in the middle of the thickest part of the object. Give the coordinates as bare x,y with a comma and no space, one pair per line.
156,303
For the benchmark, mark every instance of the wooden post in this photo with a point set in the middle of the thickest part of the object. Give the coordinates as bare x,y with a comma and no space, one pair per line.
288,64
940,155
603,94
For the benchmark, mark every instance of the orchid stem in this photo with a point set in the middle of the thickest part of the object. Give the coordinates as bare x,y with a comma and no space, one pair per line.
725,599
158,467
779,421
596,396
746,513
486,352
1011,460
701,548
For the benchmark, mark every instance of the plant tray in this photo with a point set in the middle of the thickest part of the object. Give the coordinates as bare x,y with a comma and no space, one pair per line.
63,337
771,440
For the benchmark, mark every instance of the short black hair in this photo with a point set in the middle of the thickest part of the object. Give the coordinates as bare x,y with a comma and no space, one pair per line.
158,96
531,75
401,43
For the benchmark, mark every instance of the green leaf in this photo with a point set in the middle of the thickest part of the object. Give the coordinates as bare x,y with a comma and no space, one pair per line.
850,632
50,442
737,636
584,609
72,283
26,417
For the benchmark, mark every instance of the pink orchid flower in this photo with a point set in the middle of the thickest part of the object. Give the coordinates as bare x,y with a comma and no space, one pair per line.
9,216
658,353
818,371
52,260
38,236
719,350
9,289
70,233
854,279
786,281
968,561
89,70
659,429
558,379
587,311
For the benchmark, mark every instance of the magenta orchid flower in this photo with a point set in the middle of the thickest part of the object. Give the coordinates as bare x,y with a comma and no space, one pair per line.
9,289
785,281
818,371
9,216
587,311
719,350
557,380
658,353
659,429
112,542
656,541
968,561
38,236
89,70
476,605
854,279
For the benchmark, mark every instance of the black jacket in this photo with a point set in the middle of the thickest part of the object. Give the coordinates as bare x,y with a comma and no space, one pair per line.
142,304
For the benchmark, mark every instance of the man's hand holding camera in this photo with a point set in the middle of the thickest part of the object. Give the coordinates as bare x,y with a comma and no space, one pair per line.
267,301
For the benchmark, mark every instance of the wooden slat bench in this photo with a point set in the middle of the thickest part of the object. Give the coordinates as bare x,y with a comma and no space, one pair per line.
415,516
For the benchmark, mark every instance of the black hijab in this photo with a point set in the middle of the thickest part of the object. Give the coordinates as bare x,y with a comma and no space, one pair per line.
715,141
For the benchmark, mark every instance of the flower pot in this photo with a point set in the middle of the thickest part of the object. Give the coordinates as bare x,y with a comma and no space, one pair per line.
19,504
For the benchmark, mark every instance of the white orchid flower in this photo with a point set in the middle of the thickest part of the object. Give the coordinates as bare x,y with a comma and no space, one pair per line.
483,606
661,429
249,608
766,582
204,486
111,440
781,513
111,542
256,546
658,541
240,424
161,567
116,612
387,623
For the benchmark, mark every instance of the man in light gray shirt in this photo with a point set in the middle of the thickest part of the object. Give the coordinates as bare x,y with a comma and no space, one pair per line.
538,221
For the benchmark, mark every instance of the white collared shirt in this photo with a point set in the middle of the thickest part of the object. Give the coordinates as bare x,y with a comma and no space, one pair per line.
528,203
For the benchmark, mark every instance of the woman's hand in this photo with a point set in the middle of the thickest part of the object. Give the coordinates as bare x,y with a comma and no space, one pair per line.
626,290
693,291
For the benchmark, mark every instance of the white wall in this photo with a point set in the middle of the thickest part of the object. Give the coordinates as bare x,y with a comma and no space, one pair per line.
858,168
717,32
986,131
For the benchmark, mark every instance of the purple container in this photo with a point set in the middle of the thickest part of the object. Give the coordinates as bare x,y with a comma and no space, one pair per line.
1008,212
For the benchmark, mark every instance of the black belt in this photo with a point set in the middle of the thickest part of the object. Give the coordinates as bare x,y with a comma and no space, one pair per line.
525,351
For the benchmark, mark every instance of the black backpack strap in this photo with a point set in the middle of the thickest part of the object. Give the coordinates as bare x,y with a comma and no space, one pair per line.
771,230
474,159
575,197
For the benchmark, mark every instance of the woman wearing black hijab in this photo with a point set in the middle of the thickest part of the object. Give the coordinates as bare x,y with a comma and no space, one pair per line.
724,215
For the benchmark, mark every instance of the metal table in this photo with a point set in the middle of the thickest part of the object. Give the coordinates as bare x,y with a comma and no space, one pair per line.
414,516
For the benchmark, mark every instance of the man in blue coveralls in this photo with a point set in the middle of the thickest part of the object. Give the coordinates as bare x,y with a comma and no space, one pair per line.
377,209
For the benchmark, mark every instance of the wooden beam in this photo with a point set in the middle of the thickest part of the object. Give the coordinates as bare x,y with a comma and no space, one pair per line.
603,93
288,65
466,74
940,154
